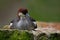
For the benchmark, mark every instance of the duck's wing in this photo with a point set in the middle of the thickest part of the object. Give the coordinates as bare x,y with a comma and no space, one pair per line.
34,22
12,22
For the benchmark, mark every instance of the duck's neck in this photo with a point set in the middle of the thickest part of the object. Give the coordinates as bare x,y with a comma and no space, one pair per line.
22,18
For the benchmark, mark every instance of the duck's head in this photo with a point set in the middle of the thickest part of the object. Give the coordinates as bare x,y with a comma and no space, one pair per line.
22,12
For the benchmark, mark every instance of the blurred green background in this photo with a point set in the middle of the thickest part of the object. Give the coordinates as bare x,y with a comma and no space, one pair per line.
41,10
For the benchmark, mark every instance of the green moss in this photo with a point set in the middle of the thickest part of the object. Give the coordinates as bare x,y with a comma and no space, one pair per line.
42,36
54,36
24,35
15,35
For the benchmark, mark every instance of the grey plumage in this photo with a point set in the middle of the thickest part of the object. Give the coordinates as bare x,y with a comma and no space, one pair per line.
24,23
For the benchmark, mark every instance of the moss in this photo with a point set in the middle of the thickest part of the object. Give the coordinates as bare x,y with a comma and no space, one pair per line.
54,36
25,35
15,35
42,36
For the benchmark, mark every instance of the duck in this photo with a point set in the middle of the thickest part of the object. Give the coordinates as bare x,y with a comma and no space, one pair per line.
23,21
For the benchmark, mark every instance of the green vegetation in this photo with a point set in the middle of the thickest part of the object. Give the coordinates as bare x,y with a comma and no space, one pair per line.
24,35
42,36
54,36
15,35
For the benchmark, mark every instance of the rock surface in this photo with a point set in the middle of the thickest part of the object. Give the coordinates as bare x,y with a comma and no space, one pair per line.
55,25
